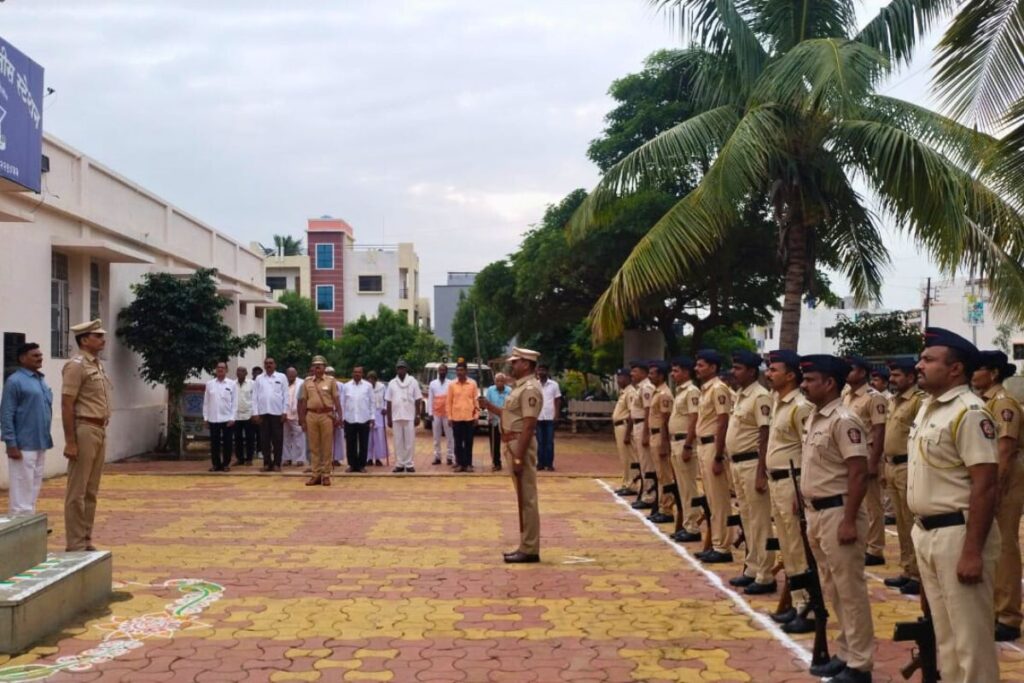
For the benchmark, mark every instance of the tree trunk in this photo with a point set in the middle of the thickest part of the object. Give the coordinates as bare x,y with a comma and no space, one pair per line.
175,422
795,269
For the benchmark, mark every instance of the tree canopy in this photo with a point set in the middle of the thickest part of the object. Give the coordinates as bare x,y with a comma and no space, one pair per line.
294,334
377,343
885,334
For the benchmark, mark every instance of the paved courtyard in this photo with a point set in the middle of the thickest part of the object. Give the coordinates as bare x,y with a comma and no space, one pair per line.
254,577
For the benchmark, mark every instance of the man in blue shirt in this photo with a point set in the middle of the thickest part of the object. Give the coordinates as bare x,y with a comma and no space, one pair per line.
26,413
496,395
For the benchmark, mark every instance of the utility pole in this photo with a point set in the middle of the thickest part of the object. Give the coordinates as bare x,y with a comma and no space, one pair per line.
927,301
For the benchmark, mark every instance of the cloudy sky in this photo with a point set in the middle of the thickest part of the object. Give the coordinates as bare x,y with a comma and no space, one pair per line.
447,123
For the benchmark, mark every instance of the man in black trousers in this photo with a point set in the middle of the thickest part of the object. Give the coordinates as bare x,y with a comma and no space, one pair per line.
357,409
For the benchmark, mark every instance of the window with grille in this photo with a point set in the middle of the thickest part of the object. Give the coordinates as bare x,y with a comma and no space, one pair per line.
325,297
325,257
60,313
373,284
94,291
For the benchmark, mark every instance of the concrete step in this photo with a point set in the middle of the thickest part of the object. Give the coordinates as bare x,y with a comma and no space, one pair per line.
22,543
39,601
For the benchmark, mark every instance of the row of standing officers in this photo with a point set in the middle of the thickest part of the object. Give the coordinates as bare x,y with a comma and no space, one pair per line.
948,458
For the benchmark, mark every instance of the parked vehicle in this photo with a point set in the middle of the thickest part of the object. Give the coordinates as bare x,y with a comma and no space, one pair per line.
481,374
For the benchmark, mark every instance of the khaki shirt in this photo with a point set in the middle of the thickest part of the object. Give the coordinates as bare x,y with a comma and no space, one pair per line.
525,401
868,405
902,410
642,397
833,435
685,404
786,435
715,399
1006,412
621,411
661,406
322,399
752,410
950,434
86,381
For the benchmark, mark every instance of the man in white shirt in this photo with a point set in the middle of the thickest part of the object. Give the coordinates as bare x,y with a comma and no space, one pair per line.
269,402
357,407
294,441
437,409
404,401
219,406
339,427
549,412
245,430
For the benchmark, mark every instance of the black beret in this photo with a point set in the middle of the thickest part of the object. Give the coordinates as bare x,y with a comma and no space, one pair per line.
936,336
825,364
683,362
881,371
747,358
710,356
622,372
790,358
904,364
660,365
997,360
638,364
859,362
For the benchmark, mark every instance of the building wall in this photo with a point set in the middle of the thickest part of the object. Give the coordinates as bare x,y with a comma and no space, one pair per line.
814,325
382,261
950,300
446,301
338,234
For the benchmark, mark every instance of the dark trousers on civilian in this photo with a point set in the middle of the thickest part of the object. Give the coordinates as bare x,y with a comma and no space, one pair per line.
545,443
357,438
246,436
271,439
221,439
463,431
495,437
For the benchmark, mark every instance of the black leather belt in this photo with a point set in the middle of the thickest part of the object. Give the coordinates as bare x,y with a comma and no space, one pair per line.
704,440
638,420
743,457
619,423
779,475
827,502
679,436
897,459
655,430
939,521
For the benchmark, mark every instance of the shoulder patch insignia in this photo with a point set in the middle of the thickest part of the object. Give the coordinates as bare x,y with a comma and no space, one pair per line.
988,429
533,401
854,434
881,408
721,399
766,411
1007,415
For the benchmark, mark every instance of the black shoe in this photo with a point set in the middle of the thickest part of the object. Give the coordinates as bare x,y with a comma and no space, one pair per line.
741,581
625,493
799,624
351,469
686,537
661,518
897,581
715,557
642,505
398,470
410,470
873,560
785,616
451,461
890,520
336,463
521,558
702,554
437,461
849,675
830,668
1005,633
761,588
912,587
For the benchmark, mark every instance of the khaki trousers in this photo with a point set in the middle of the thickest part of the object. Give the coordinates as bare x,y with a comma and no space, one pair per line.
1008,567
84,474
876,517
663,467
787,527
756,515
626,456
648,469
961,614
686,477
842,577
320,430
526,488
716,488
896,484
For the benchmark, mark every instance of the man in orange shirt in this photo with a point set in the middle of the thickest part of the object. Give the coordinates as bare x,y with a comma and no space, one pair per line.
463,412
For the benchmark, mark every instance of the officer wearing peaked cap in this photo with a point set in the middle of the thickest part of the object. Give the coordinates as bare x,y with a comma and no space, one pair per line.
643,394
621,431
658,417
952,489
715,404
880,379
682,425
319,412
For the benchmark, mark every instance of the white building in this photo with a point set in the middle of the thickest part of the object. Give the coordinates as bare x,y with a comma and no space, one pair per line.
962,305
72,254
816,325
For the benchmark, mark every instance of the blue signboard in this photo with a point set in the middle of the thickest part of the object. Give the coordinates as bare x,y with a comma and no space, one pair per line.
21,118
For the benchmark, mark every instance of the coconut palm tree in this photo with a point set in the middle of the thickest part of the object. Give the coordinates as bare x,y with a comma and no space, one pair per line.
286,245
790,118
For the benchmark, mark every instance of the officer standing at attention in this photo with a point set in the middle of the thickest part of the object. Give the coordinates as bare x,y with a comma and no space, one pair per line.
952,490
747,444
643,394
658,415
785,445
833,481
682,425
903,407
518,426
993,368
712,422
881,380
870,408
319,412
621,429
85,412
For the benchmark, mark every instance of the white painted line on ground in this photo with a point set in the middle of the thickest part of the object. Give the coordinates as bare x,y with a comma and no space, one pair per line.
762,620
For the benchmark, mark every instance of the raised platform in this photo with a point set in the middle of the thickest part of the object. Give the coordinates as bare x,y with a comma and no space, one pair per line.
22,543
39,601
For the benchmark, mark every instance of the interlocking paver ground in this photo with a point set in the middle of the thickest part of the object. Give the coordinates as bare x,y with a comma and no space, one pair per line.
400,579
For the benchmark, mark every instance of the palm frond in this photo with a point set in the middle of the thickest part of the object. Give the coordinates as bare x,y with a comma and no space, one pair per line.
981,61
899,26
714,79
791,22
1007,167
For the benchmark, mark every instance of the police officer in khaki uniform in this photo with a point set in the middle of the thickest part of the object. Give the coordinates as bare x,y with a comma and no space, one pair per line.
881,381
785,445
518,426
712,422
643,394
85,412
682,426
903,407
657,416
952,490
994,367
621,430
870,407
319,412
833,482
